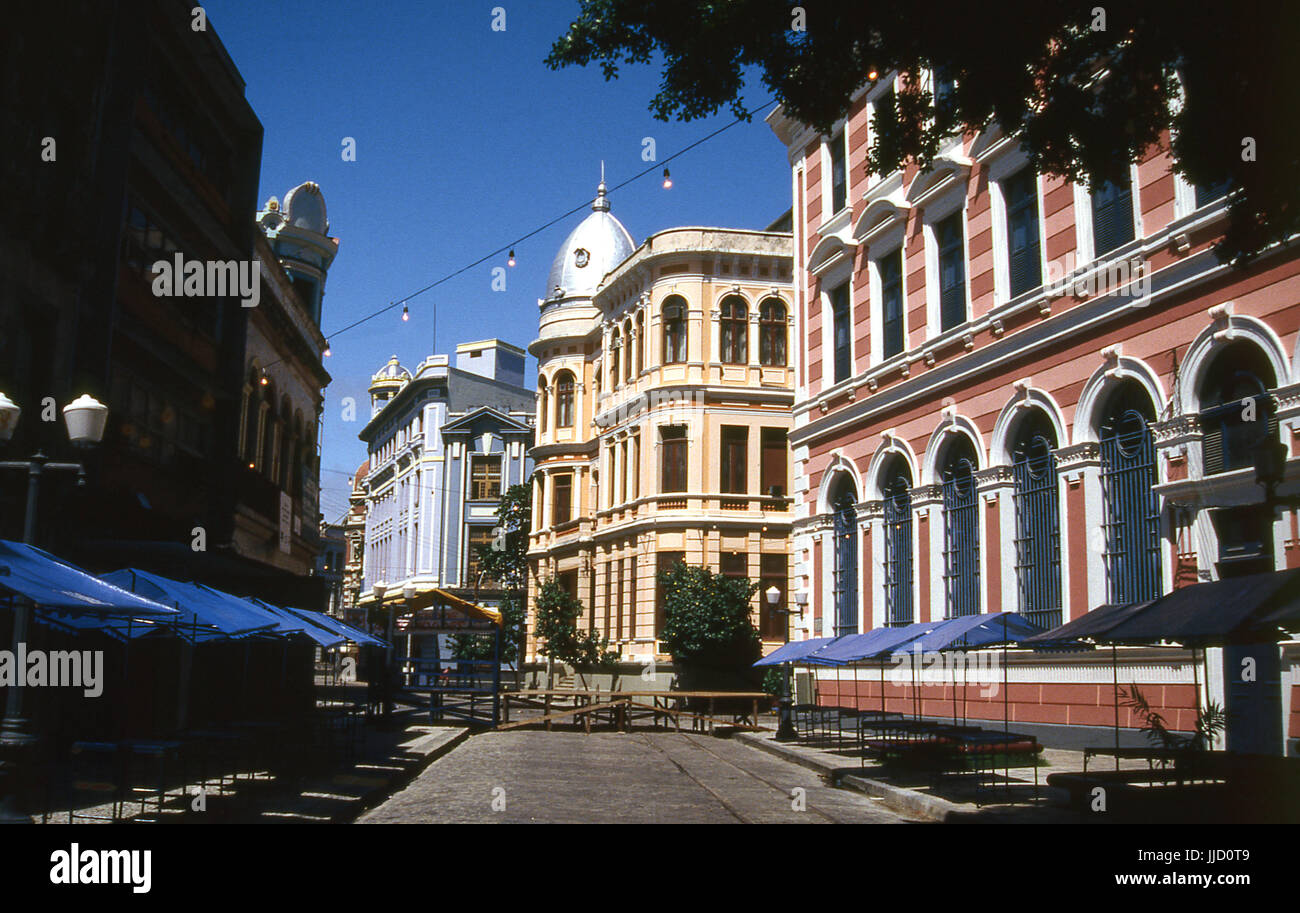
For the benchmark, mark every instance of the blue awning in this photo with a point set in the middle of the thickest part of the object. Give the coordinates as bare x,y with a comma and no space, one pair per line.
971,631
356,635
208,613
116,626
795,651
874,643
54,584
294,624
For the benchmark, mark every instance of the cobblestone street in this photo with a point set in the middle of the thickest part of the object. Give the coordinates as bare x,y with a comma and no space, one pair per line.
637,778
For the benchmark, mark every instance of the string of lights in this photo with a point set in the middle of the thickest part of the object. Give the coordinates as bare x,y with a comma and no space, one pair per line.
404,301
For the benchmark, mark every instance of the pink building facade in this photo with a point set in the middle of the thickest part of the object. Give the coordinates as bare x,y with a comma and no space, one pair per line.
1014,394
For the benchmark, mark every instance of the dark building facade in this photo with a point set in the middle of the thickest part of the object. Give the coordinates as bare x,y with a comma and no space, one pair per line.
134,143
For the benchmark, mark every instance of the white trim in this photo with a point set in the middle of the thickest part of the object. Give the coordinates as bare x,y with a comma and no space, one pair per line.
838,464
876,315
951,424
1103,380
1214,337
890,445
1008,418
948,206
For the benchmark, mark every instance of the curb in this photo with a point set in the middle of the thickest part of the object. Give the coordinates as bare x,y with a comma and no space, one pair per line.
437,746
897,798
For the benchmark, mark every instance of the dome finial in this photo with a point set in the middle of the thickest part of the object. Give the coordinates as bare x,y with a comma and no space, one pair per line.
601,203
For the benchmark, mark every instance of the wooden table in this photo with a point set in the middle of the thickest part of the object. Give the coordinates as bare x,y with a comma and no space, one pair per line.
660,705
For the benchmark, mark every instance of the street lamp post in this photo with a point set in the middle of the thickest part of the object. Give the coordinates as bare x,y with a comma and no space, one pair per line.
785,730
85,419
408,593
1270,468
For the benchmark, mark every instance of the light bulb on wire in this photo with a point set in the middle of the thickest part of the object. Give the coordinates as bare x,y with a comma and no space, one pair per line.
406,313
511,261
668,180
326,353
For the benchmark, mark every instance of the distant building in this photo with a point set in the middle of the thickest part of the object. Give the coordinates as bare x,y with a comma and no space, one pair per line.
664,390
329,568
445,443
354,534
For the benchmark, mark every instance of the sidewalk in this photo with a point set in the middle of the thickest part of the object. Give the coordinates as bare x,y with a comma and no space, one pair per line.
388,759
1011,800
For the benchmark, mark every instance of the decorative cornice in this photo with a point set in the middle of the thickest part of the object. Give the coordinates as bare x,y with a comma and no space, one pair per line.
1077,456
994,477
1180,429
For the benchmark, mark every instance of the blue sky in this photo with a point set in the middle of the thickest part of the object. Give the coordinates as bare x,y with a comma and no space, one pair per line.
464,142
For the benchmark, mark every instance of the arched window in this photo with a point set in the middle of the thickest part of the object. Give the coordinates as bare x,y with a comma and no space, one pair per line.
674,316
897,490
640,341
1128,476
771,332
275,460
267,462
1236,411
628,338
541,406
252,415
564,400
844,499
735,331
1038,529
961,534
615,343
290,451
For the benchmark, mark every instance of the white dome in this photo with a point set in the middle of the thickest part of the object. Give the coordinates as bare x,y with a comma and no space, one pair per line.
392,371
305,206
596,246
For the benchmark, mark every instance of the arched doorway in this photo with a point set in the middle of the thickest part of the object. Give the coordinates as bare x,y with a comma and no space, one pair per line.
1038,520
961,536
896,489
1132,511
844,515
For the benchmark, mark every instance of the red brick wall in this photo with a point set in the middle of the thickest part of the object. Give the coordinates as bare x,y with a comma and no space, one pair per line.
1045,702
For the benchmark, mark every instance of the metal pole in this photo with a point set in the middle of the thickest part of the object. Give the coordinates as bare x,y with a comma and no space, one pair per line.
34,468
389,674
785,728
1114,671
16,741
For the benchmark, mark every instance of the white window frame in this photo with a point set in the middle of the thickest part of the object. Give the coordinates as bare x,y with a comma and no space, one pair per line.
1005,166
842,274
952,202
891,243
842,129
1085,240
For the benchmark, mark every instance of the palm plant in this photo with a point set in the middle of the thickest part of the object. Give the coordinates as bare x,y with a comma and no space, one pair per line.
1210,722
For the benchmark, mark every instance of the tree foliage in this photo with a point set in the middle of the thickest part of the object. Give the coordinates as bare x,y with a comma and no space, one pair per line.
508,566
707,617
1086,89
561,637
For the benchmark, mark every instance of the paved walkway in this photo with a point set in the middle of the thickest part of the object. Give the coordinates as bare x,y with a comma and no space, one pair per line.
625,778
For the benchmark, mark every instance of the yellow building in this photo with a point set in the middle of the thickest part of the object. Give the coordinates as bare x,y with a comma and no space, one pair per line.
665,387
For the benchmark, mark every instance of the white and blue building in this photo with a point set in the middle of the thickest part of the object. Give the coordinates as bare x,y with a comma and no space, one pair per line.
445,442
